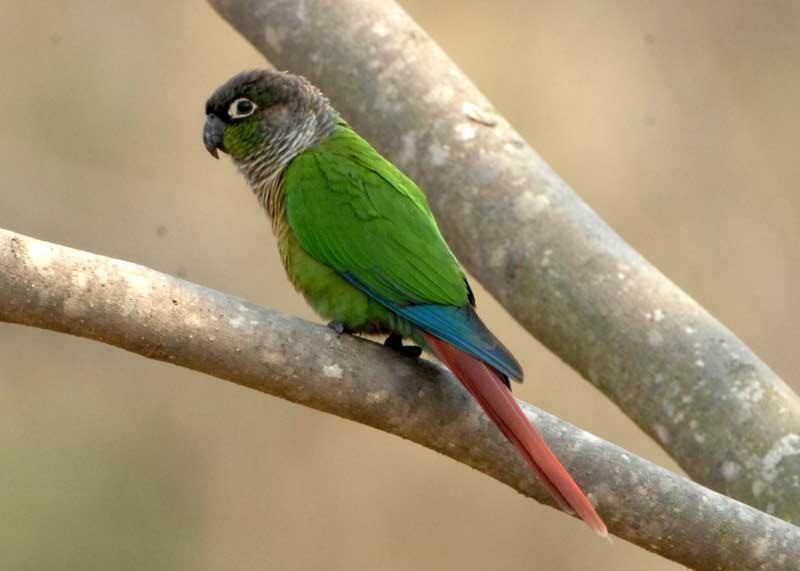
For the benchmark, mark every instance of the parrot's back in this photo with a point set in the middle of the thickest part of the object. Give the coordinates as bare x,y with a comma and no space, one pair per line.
358,215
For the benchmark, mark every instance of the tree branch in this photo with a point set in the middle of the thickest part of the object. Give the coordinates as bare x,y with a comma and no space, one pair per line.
165,318
724,416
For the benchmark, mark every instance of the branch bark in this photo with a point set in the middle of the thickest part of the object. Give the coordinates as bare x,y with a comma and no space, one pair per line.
165,318
684,378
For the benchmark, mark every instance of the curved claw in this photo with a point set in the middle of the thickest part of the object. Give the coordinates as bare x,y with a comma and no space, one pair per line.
339,327
395,341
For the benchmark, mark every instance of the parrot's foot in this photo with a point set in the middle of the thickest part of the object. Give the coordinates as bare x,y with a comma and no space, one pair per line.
395,341
340,328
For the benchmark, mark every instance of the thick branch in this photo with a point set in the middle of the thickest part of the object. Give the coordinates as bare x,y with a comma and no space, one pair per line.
729,421
165,318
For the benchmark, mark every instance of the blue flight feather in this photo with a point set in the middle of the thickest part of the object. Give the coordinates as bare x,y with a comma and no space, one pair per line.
459,326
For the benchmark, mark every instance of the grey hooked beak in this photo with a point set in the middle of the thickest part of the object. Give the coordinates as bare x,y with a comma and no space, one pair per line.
213,130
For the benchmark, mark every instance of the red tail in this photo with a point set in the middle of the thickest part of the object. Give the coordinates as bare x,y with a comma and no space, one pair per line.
487,387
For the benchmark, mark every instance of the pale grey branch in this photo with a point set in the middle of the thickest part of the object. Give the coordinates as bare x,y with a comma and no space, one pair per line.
547,257
162,317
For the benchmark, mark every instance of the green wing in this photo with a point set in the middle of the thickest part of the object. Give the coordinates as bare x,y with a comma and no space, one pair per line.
353,210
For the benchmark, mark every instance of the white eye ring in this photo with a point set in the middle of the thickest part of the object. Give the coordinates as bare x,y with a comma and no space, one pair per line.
234,111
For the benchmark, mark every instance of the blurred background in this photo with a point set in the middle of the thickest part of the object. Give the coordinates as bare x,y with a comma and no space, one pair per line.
677,121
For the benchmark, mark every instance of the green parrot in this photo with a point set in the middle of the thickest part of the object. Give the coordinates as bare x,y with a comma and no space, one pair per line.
359,241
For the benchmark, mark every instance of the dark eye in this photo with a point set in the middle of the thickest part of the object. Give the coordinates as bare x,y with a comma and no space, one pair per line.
242,107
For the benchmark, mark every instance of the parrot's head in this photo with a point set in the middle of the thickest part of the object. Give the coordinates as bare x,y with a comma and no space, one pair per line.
264,118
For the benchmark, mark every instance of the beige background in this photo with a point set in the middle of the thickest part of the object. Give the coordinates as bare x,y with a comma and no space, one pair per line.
677,121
